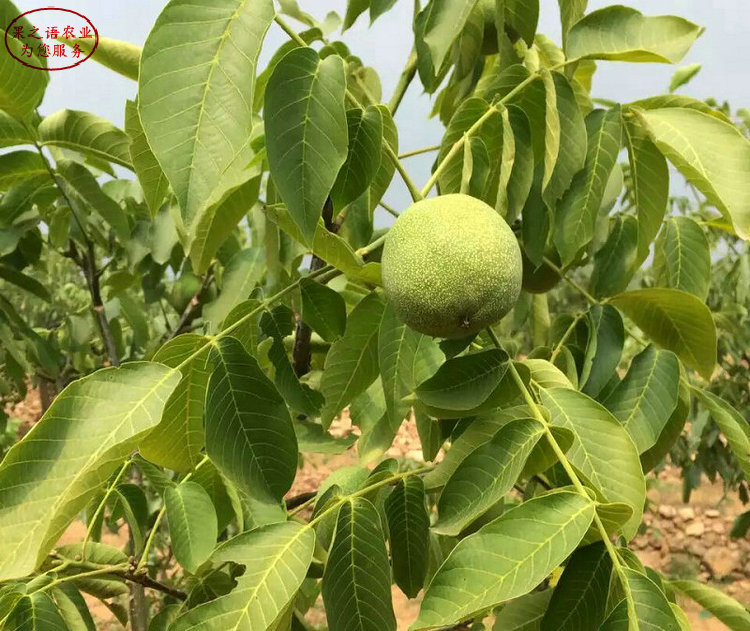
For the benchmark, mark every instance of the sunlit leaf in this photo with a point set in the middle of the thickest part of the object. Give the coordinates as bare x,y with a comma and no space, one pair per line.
712,154
276,559
196,108
86,133
47,478
602,450
675,320
192,524
726,609
506,558
620,33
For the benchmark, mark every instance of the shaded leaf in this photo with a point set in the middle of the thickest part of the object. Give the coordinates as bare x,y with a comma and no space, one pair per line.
580,597
243,272
352,362
306,132
486,475
616,261
576,215
524,613
35,612
603,350
650,181
682,257
245,416
408,531
323,309
464,382
365,131
357,578
176,442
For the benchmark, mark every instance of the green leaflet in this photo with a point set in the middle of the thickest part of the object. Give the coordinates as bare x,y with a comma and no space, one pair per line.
84,193
486,475
406,358
565,145
352,363
88,134
577,212
193,526
650,180
245,415
603,349
620,33
150,175
365,132
580,597
21,88
17,166
408,531
645,399
524,613
122,57
709,152
323,309
276,559
464,382
200,152
176,442
506,558
84,435
731,423
615,262
35,612
305,157
683,75
726,609
243,271
356,582
602,450
682,257
675,320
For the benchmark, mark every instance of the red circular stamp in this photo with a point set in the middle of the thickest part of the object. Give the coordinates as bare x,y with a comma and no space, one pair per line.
51,38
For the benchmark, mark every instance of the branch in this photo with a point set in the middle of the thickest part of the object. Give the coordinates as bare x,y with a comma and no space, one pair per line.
403,83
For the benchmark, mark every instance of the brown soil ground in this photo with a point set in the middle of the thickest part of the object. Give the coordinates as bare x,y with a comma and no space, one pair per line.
681,540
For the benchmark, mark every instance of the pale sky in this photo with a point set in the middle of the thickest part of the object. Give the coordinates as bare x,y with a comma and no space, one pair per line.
724,51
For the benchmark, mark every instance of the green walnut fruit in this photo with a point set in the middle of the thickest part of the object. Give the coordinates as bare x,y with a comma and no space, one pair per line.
539,280
489,38
451,266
